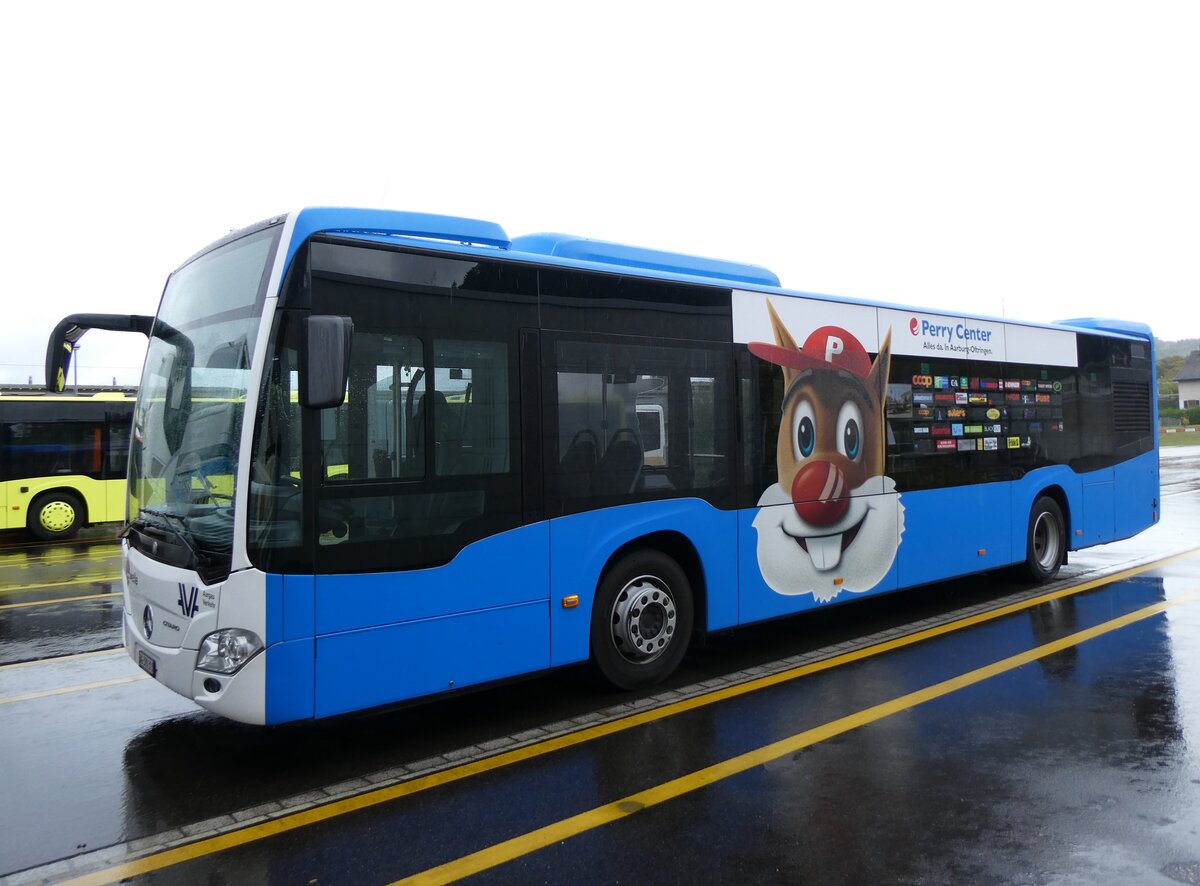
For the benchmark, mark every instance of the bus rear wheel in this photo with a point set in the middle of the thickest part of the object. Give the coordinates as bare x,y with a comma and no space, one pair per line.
1046,540
641,620
55,515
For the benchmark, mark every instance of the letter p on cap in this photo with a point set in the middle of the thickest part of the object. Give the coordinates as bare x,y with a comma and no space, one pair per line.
833,347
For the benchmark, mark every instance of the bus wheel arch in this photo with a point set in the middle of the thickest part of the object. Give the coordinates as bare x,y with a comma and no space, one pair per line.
56,514
648,600
1046,535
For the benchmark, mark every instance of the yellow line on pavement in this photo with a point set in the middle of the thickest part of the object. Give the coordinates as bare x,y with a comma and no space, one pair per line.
55,659
60,600
26,561
64,690
81,580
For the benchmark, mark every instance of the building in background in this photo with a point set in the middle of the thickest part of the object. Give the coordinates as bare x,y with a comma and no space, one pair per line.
1189,382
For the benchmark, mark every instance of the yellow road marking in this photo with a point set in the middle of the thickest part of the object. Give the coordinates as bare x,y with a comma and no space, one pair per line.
551,834
60,600
81,580
57,658
9,561
293,821
64,690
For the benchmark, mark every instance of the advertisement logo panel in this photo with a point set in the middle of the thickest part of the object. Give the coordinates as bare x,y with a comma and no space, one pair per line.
937,335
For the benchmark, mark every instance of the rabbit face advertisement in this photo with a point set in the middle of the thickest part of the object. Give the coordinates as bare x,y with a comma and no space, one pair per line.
833,522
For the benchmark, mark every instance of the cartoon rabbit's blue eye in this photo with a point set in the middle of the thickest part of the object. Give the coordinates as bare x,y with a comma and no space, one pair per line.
806,437
850,431
851,439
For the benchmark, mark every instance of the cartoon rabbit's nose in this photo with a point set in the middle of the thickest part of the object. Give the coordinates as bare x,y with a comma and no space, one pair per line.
820,494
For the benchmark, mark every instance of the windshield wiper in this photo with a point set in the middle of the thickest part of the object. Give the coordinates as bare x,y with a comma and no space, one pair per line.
180,532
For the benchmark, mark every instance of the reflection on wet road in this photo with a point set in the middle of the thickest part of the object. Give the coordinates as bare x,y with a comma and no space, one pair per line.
926,737
59,598
1058,718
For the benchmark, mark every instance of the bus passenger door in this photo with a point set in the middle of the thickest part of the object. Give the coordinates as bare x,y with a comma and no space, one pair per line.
428,576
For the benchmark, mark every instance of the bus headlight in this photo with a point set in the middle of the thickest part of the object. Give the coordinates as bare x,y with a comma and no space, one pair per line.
226,650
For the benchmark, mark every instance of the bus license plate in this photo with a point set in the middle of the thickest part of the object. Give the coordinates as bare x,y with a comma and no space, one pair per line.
147,664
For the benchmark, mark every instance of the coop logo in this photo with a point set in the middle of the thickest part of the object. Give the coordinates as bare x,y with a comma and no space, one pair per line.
188,597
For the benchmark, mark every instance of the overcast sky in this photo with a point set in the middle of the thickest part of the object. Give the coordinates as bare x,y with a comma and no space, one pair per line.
1031,160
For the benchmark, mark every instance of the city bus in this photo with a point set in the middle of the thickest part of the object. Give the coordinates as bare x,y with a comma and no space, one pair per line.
380,456
62,460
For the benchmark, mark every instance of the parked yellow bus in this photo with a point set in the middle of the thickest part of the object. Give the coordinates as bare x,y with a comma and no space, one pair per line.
63,460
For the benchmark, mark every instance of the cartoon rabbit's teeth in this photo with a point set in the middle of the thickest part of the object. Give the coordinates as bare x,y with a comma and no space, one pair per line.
825,550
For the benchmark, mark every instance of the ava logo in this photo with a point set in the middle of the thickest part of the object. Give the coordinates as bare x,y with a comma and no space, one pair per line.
148,621
833,515
188,604
914,326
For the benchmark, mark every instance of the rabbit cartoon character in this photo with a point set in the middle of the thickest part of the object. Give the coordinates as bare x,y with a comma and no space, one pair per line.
833,521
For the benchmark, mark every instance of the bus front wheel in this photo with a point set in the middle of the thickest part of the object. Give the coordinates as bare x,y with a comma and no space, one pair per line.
1046,541
641,619
55,515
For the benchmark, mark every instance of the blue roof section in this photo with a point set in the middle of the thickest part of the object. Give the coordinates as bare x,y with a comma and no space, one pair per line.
484,239
603,252
1105,324
467,234
337,220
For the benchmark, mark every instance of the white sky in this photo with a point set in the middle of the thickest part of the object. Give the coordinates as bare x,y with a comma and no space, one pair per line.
1029,159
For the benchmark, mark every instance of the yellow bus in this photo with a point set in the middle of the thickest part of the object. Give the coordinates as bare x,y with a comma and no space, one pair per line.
63,460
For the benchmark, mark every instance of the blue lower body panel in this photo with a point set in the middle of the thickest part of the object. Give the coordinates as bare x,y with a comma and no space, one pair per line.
376,666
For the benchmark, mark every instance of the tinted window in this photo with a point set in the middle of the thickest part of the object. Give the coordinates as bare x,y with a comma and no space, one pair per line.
631,420
954,422
585,302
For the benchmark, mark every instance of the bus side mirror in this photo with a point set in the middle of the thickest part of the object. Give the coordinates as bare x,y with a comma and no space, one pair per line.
325,361
66,335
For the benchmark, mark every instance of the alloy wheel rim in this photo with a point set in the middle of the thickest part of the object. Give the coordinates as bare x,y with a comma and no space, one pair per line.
643,619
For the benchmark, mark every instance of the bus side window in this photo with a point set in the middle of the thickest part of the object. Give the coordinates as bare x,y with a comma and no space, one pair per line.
636,421
472,434
119,426
376,433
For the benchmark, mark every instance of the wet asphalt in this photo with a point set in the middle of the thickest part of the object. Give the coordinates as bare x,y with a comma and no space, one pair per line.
1079,763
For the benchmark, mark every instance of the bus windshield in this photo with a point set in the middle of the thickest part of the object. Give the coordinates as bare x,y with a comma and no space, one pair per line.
188,420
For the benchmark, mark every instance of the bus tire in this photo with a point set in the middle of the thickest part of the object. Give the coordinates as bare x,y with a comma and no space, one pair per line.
1045,540
641,619
55,515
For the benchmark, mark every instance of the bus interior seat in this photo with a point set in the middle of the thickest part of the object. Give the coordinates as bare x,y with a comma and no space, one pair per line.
447,431
578,465
620,467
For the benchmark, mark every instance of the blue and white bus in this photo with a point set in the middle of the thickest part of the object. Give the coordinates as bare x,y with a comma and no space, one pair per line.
379,456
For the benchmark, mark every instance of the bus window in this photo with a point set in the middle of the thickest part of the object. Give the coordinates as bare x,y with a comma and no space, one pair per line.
470,420
118,445
375,434
38,449
636,421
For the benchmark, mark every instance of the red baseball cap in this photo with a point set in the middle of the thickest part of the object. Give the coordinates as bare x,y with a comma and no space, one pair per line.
829,347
